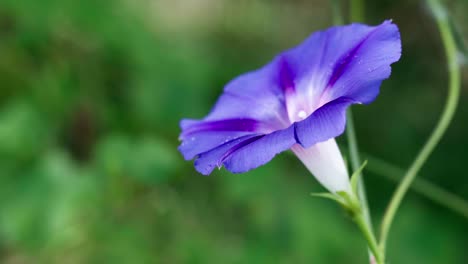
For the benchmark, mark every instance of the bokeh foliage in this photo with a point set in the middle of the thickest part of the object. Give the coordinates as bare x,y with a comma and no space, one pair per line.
91,93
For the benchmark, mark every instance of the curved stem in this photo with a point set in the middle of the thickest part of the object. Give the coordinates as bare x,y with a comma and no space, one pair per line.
423,187
446,118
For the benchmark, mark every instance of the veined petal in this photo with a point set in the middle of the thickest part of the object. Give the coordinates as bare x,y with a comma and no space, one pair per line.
255,95
260,151
347,61
207,161
201,136
299,98
246,153
327,122
325,162
359,73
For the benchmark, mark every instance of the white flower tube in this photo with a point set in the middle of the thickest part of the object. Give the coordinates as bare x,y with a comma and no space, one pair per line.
325,162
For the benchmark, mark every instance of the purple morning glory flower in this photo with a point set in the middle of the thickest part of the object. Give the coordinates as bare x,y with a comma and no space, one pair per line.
297,101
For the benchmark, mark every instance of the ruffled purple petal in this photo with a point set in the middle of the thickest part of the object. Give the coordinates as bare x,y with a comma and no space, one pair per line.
247,152
349,61
206,141
300,97
326,122
200,136
251,151
255,95
260,151
207,161
358,75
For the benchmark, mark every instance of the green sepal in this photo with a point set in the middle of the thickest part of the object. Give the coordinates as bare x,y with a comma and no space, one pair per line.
326,195
355,177
348,200
331,196
351,202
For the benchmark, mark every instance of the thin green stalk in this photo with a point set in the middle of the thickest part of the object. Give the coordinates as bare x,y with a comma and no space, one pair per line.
370,237
420,186
442,125
355,164
357,14
336,12
365,222
357,11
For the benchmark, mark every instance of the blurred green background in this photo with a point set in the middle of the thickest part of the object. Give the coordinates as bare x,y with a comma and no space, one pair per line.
91,93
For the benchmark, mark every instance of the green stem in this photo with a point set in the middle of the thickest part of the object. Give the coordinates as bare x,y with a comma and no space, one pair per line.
357,15
357,11
337,17
420,186
355,164
446,118
361,222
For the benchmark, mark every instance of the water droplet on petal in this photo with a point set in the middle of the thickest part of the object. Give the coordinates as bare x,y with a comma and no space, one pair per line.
302,114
